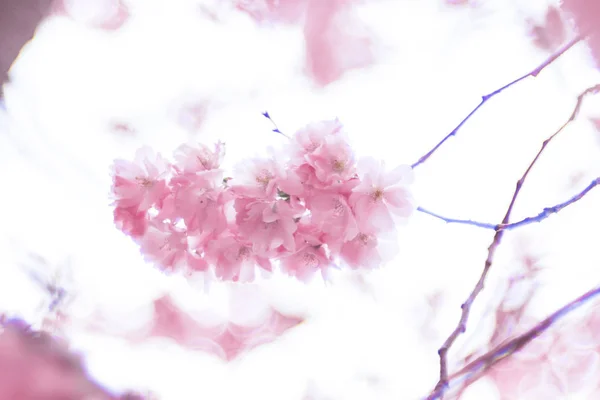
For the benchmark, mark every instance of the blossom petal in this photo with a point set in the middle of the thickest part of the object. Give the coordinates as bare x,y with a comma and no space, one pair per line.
401,175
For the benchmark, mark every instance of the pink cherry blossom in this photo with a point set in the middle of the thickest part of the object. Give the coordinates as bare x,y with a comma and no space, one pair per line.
256,178
333,160
132,222
198,201
166,245
334,41
382,196
304,207
268,225
263,178
310,256
234,259
192,158
311,137
361,252
141,183
332,214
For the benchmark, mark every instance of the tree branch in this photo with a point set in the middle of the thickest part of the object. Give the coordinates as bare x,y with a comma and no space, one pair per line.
461,327
485,98
545,213
476,368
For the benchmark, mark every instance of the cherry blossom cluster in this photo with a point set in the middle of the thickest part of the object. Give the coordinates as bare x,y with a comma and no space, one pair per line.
306,208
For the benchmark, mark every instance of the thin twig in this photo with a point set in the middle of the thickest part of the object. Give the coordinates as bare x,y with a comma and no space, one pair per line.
476,368
267,116
484,225
442,384
485,98
545,213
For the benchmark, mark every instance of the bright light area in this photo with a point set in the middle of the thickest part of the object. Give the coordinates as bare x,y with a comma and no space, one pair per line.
365,335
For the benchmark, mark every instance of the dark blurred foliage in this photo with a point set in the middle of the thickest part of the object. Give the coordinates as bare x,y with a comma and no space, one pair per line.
18,22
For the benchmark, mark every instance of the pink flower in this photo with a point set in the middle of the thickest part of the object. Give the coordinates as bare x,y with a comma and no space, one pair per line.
381,196
140,183
332,214
361,252
165,245
311,137
198,201
268,225
334,43
234,259
256,178
263,178
305,211
198,157
321,155
309,257
130,221
333,160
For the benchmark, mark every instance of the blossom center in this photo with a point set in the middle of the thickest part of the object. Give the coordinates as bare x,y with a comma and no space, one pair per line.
377,194
204,162
243,253
364,238
338,208
264,177
144,182
310,260
338,165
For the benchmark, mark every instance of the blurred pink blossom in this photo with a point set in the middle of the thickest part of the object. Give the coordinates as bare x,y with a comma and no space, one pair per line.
335,40
226,340
107,15
38,366
586,14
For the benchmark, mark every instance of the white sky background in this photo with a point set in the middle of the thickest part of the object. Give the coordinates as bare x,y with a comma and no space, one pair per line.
433,65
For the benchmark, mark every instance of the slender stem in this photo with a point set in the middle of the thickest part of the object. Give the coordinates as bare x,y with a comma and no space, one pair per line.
545,213
267,116
485,98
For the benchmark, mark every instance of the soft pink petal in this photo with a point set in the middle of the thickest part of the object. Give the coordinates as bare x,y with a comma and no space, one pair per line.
380,218
401,175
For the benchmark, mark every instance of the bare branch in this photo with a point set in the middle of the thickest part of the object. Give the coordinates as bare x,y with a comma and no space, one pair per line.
476,368
485,98
461,327
545,213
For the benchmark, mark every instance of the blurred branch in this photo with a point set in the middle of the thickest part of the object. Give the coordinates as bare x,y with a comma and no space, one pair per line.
18,22
485,98
461,327
545,213
507,317
476,368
